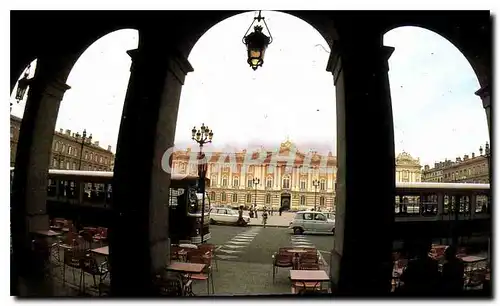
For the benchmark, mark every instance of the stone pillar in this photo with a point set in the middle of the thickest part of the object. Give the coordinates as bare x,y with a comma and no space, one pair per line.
139,237
361,259
29,187
485,94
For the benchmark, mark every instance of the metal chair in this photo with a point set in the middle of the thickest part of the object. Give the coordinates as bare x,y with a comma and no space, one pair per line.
206,274
210,248
281,260
89,265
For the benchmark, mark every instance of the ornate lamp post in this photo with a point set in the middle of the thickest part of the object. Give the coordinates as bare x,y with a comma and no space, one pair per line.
84,136
202,136
315,184
255,182
257,43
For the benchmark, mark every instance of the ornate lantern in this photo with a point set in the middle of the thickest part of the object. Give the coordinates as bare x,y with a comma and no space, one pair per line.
257,43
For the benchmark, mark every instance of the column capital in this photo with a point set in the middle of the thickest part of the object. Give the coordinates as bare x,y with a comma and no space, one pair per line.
484,93
171,60
54,88
339,51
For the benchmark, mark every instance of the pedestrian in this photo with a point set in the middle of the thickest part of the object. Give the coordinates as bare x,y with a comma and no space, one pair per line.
250,212
280,210
271,210
255,209
241,222
264,217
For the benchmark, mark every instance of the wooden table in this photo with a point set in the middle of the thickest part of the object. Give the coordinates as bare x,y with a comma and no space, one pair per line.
185,267
101,251
472,259
184,270
48,233
303,276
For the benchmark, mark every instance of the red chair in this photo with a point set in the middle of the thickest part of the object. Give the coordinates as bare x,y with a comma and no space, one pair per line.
281,260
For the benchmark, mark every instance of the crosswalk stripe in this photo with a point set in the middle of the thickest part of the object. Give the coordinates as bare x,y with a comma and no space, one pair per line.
243,239
229,251
239,242
233,246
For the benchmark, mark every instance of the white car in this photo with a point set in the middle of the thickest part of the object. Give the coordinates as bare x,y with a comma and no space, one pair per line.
223,215
312,222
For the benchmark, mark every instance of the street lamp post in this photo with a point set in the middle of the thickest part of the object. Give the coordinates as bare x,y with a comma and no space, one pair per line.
256,182
315,184
84,136
202,136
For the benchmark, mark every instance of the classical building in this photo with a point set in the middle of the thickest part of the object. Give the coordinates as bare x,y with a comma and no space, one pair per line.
408,169
281,183
473,169
66,150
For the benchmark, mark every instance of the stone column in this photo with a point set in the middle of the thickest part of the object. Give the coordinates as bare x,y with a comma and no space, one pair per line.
29,187
139,237
361,259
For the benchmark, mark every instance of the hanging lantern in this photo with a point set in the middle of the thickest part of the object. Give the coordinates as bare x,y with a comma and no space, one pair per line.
257,43
22,86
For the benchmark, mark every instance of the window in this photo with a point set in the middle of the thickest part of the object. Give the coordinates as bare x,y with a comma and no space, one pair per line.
213,180
54,163
100,159
91,155
319,217
235,198
70,150
308,216
224,181
249,198
67,165
212,196
268,198
250,168
286,182
302,200
86,155
322,185
223,197
269,182
74,166
250,182
236,182
322,201
302,184
63,148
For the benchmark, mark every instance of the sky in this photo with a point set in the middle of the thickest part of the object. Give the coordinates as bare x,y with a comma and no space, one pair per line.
436,114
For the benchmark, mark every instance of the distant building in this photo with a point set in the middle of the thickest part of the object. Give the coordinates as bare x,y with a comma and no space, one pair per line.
408,169
287,185
66,152
473,169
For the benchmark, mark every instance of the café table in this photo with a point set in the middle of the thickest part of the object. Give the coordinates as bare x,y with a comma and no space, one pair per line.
184,270
101,251
308,276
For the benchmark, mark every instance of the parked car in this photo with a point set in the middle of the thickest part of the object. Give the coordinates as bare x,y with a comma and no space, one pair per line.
312,222
223,215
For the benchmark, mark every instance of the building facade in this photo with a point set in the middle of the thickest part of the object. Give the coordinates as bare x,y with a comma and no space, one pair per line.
66,150
473,169
286,177
408,169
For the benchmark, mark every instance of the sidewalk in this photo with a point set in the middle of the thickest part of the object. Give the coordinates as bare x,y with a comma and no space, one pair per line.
273,221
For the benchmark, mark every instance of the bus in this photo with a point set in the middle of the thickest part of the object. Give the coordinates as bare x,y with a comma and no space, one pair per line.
88,197
441,199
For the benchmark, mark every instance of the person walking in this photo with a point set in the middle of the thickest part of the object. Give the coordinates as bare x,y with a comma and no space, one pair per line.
264,217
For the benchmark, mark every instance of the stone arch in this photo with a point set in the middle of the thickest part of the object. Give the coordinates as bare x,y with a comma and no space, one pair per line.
470,43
